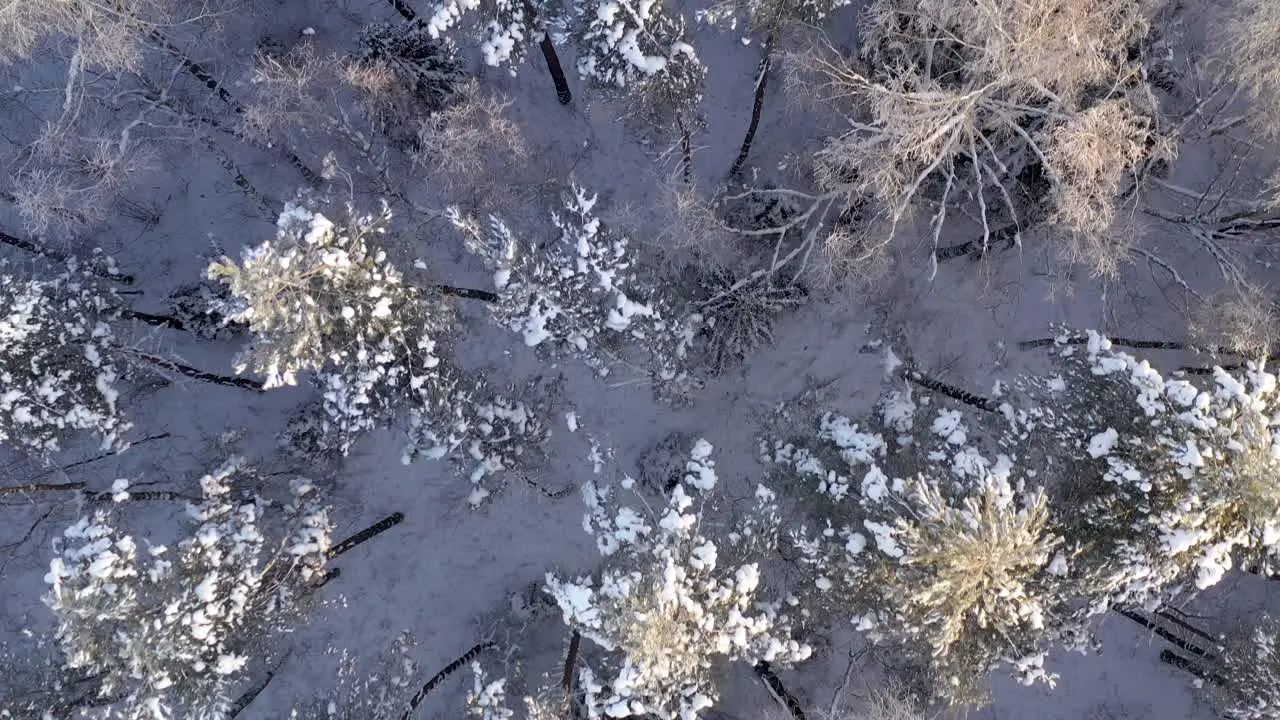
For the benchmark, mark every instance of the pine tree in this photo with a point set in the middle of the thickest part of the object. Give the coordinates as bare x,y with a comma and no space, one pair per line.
169,630
1170,484
583,293
674,593
321,298
639,51
510,26
921,539
1251,668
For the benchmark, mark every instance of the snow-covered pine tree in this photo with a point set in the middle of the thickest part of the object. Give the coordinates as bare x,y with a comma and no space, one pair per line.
674,594
583,293
168,630
923,540
486,431
57,372
637,49
1169,485
321,297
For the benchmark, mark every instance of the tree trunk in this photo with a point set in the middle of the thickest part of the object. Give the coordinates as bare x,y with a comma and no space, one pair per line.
405,11
549,54
163,321
951,391
41,487
686,150
1169,636
1122,342
94,496
365,535
57,256
779,690
570,662
439,677
251,693
468,293
1170,657
33,486
553,66
762,81
195,374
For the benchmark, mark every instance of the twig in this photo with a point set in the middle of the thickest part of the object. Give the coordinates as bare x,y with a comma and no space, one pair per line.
844,686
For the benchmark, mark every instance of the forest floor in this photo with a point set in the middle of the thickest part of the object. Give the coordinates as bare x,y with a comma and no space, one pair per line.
448,572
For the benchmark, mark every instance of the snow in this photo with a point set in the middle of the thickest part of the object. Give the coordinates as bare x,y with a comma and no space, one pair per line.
1102,443
883,536
701,468
480,556
948,424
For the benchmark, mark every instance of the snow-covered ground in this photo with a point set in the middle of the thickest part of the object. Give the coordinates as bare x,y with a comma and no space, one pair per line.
453,575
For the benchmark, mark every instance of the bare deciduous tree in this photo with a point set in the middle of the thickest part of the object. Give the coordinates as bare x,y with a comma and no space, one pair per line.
1012,111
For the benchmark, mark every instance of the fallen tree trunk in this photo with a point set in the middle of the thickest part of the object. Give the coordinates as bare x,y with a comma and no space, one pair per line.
439,677
365,535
